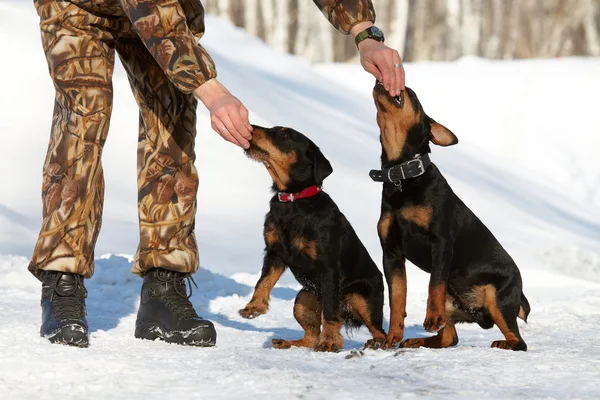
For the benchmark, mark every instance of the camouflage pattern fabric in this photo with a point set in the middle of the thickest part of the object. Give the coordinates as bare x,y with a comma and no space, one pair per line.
80,47
344,14
157,42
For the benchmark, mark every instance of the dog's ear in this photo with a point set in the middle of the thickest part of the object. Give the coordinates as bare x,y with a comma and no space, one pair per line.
321,166
441,135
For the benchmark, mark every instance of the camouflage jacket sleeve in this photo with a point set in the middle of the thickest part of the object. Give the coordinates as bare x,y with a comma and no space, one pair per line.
344,14
164,30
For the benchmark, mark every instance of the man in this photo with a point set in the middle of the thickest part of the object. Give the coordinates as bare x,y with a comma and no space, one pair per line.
157,42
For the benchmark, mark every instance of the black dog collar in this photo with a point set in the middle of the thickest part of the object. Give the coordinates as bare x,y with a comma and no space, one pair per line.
406,170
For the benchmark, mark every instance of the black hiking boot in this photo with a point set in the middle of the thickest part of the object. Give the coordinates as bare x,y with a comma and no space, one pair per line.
166,312
63,309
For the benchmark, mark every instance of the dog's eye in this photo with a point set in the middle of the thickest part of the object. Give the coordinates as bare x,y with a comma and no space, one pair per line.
282,134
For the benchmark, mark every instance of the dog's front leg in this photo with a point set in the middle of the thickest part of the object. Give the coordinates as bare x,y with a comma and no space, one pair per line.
441,259
394,268
272,270
330,338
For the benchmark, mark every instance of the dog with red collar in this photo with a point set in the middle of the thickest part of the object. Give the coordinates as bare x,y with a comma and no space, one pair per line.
305,231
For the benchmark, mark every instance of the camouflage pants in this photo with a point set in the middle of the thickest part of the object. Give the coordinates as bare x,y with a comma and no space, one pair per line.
80,48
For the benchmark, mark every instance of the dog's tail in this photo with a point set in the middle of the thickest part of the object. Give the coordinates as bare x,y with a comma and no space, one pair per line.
525,308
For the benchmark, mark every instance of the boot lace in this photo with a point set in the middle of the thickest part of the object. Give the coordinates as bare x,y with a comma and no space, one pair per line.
178,300
68,304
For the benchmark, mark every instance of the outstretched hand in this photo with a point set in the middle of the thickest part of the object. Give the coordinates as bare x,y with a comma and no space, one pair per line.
228,116
384,63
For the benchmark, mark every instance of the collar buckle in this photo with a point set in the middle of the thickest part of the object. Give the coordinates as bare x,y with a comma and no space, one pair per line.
420,165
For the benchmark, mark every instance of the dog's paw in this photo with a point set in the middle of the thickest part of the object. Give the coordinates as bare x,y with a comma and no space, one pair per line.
375,344
252,311
434,321
412,343
391,342
330,344
327,347
506,345
281,344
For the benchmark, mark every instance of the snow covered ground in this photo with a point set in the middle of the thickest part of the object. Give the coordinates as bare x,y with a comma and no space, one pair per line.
526,165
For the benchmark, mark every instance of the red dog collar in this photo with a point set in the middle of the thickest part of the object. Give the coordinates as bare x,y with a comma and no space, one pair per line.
290,197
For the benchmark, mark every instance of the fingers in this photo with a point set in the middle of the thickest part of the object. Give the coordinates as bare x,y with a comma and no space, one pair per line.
240,126
384,63
399,72
225,118
384,60
389,61
245,119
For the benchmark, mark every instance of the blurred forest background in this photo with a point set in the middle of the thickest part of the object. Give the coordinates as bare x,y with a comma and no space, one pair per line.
435,30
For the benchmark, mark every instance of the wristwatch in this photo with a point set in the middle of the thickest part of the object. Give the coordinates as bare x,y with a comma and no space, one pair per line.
370,33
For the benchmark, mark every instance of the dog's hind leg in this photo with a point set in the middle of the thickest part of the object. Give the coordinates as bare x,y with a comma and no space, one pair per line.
446,337
504,313
307,311
372,318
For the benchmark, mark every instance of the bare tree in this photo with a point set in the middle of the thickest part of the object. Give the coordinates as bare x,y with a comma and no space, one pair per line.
251,16
429,29
282,18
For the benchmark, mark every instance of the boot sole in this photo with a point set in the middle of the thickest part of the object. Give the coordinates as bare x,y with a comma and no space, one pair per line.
70,335
200,337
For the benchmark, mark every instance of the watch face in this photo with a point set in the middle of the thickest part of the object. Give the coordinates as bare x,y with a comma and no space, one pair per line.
375,31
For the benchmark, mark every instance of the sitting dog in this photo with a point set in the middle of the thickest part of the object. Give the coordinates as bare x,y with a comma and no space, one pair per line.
305,231
473,279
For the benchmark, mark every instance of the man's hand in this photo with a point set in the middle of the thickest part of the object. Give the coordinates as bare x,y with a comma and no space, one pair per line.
228,115
381,61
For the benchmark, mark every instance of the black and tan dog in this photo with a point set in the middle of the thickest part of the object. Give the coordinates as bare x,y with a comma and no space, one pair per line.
305,231
473,279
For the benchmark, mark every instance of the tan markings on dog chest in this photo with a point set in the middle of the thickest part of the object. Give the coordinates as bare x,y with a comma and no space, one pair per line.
419,215
308,247
271,235
383,226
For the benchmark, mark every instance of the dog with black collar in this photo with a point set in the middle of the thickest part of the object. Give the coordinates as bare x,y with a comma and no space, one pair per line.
473,279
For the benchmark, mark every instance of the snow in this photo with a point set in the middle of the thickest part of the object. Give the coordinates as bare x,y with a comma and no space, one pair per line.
525,165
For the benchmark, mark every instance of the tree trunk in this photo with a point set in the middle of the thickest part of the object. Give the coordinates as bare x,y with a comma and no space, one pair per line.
399,25
429,29
280,35
251,17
